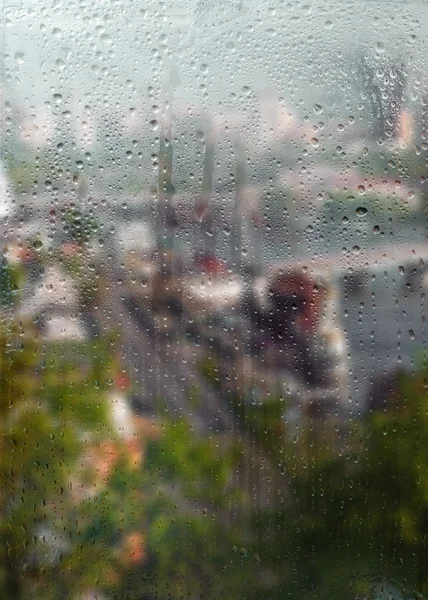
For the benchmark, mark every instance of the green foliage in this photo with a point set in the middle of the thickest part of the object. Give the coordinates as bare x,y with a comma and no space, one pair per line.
49,403
209,368
404,165
194,535
350,516
80,226
350,512
356,511
371,208
10,283
199,465
72,500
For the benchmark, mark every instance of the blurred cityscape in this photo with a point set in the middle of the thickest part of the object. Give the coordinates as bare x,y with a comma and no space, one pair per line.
213,380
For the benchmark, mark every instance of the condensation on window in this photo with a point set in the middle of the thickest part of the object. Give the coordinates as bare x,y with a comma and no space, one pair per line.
213,374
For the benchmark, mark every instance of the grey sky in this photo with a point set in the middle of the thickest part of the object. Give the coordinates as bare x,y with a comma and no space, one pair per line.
114,51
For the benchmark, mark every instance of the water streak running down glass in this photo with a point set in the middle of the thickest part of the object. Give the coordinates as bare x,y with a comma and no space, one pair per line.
213,374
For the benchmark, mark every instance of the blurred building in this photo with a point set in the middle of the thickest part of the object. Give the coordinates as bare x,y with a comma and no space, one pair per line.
134,236
6,194
53,305
38,128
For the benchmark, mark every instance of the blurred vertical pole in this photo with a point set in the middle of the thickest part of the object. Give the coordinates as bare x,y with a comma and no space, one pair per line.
12,583
238,206
165,220
256,241
207,182
294,231
237,263
424,175
165,160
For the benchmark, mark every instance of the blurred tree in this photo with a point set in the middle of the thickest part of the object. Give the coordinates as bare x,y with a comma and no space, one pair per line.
383,86
10,280
81,511
197,534
80,226
52,403
355,515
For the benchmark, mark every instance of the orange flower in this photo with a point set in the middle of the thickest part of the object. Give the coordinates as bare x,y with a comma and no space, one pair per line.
135,451
134,548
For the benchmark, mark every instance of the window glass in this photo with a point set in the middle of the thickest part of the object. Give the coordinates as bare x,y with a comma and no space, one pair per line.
213,374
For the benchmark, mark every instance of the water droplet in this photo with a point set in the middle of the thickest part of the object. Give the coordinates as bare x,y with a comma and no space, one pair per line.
19,57
37,245
380,48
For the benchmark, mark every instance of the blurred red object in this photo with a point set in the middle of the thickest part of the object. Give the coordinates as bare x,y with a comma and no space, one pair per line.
122,381
303,287
70,248
27,255
211,264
